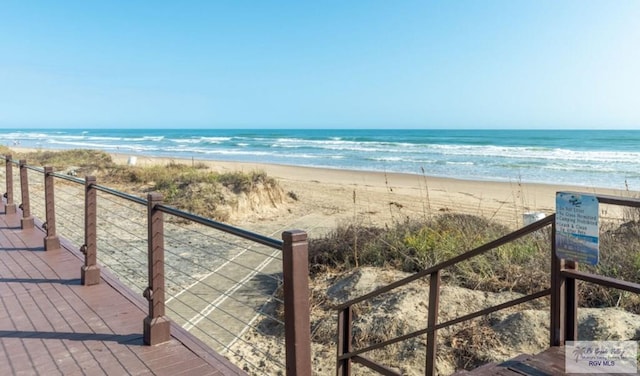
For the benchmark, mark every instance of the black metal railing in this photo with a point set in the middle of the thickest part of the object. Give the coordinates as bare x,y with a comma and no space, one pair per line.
563,307
291,251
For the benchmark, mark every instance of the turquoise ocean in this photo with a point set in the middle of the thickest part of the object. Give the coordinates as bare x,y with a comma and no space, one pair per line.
591,158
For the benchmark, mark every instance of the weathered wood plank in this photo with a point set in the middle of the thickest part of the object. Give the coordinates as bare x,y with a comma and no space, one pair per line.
51,324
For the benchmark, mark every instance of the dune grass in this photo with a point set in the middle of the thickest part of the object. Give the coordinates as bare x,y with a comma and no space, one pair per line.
414,245
521,266
60,160
193,188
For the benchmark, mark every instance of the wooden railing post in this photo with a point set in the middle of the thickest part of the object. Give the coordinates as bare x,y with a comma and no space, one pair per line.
564,299
10,206
571,304
558,292
344,341
51,241
26,222
90,273
295,266
432,320
156,324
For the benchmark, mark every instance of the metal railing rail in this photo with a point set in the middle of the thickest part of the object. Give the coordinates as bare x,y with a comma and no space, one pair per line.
156,326
563,292
247,235
445,264
345,315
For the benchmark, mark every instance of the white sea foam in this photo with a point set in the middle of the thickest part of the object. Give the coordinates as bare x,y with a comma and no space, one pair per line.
536,156
215,140
527,153
24,135
183,140
102,138
95,145
200,140
460,163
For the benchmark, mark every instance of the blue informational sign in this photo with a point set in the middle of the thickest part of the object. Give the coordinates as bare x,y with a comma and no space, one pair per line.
577,232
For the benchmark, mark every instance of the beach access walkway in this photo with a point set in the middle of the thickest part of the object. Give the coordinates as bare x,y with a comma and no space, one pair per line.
51,324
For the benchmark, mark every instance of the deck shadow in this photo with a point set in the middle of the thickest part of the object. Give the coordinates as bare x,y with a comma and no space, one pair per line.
27,249
132,339
74,281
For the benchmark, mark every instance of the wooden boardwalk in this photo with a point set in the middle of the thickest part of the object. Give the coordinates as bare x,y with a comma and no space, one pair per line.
52,325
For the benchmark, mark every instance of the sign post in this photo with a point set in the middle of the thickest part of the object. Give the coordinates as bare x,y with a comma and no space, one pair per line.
577,236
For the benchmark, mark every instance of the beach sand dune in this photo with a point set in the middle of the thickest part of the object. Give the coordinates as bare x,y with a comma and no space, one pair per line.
327,197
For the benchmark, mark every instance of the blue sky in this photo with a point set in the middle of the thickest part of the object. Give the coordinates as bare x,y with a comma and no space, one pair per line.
322,64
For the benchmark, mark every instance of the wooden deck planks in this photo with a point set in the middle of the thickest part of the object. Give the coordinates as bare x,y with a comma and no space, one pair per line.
50,324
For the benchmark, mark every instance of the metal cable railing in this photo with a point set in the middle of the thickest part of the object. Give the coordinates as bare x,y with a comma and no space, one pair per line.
224,284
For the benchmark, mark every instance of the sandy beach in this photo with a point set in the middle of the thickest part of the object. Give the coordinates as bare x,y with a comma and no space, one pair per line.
325,197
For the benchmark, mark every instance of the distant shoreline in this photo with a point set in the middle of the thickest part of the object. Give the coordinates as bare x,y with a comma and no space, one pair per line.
283,169
583,158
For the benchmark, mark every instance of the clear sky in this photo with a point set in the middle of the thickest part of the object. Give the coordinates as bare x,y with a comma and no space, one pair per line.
348,64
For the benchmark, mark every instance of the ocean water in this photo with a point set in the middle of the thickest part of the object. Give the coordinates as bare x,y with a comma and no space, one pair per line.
591,158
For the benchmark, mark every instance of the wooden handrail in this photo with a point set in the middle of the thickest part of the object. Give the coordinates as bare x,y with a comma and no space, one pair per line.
445,264
248,235
345,353
156,325
601,280
563,291
386,371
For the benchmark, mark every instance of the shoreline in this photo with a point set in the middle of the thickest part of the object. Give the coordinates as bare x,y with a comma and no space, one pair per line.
374,179
504,156
331,173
